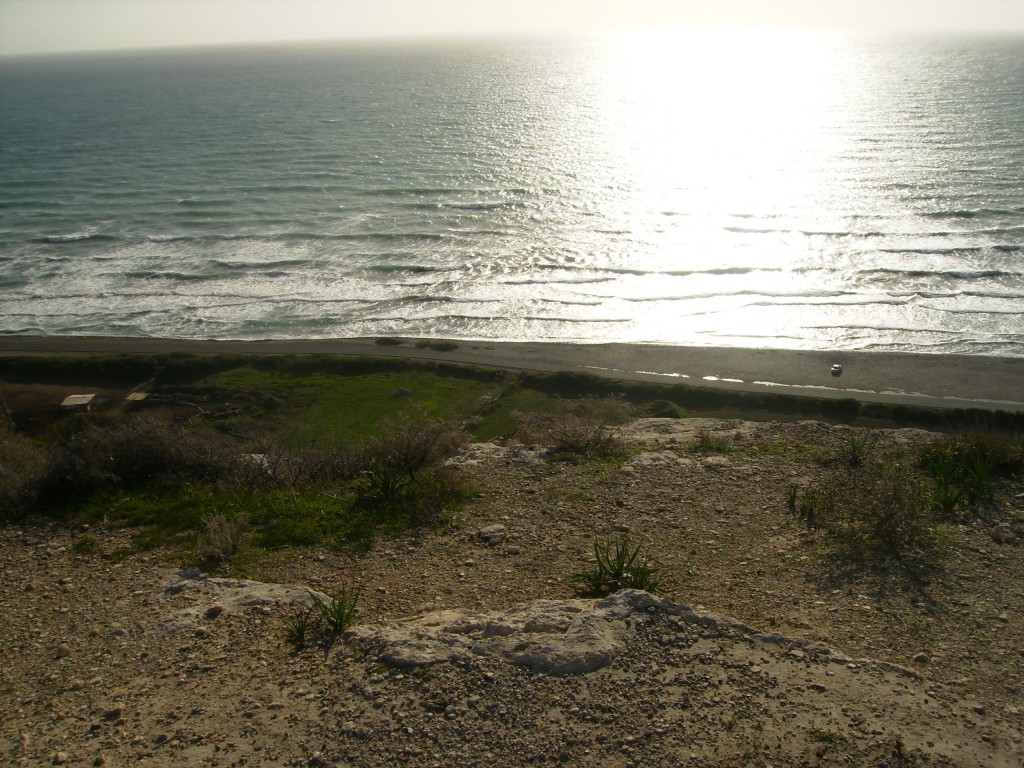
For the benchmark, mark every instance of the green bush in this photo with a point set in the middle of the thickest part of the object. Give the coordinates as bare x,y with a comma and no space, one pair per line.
269,461
664,409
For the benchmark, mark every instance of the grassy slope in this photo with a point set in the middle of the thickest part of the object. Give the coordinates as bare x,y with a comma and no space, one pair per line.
298,402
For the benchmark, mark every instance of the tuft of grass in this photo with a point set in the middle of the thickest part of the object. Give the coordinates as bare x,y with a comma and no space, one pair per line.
859,446
621,564
708,442
296,626
828,737
964,469
793,497
85,545
664,409
338,611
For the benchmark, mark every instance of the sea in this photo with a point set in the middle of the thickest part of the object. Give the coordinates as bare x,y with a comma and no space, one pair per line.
768,189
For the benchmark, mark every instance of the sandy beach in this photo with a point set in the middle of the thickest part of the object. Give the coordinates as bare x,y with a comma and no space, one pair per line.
933,381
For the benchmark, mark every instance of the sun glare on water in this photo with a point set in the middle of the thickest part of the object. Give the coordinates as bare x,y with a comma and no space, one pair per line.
709,134
720,123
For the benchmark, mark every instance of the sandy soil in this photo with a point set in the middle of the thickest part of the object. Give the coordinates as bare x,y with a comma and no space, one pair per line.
924,380
103,665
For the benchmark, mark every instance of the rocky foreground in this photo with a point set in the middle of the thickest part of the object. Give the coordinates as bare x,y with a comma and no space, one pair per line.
472,646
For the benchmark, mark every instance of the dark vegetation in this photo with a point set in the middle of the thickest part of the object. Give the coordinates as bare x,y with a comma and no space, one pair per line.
230,456
890,508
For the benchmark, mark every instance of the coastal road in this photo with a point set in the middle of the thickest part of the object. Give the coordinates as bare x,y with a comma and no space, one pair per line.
927,381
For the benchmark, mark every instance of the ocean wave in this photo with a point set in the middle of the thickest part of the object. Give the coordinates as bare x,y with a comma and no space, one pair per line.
196,202
401,191
286,322
976,311
832,233
951,251
297,236
236,266
613,270
76,237
992,295
815,298
584,321
148,274
495,206
720,271
563,281
458,191
972,213
319,301
416,205
425,298
566,302
416,269
952,274
887,328
753,230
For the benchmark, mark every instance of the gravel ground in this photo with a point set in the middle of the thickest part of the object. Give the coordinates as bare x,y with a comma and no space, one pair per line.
103,665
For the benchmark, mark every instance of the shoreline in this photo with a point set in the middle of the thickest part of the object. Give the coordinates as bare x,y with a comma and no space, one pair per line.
922,380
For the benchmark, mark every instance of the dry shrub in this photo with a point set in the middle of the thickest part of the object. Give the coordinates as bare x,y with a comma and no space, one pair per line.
270,462
876,512
21,468
588,427
224,535
92,453
406,458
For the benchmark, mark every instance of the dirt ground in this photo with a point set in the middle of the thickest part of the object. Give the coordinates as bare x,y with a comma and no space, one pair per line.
103,665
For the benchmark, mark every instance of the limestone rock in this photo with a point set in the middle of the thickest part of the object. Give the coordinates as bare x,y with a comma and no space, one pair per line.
216,596
655,459
551,636
561,637
716,463
492,534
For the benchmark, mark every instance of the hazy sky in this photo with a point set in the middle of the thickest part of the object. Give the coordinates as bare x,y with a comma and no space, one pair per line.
62,25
